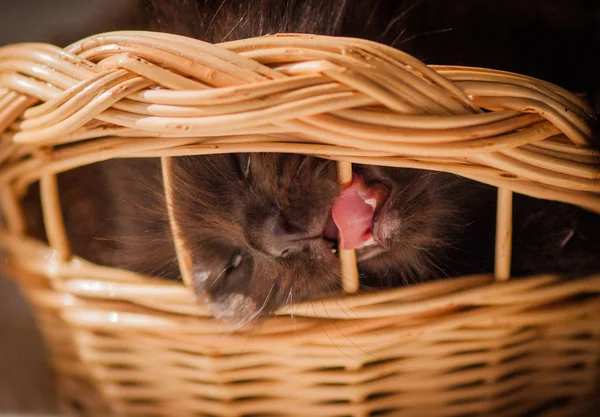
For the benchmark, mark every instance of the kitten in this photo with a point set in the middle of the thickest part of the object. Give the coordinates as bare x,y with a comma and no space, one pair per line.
262,228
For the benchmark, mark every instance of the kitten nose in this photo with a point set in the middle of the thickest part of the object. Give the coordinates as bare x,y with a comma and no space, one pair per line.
284,238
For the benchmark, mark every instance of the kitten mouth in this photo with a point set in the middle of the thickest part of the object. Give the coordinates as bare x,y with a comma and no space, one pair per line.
353,214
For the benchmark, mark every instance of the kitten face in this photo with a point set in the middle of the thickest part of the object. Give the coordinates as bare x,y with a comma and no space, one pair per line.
238,225
254,231
259,228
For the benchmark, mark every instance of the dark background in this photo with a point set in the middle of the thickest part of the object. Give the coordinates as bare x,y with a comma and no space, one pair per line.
25,378
63,21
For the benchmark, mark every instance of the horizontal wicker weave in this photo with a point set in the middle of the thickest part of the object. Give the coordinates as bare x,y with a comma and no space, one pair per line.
123,344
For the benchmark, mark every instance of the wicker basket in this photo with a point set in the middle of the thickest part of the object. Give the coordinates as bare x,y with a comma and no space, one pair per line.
130,345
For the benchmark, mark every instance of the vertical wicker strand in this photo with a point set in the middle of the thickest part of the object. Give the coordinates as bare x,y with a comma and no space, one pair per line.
348,266
53,217
503,234
183,257
11,211
14,105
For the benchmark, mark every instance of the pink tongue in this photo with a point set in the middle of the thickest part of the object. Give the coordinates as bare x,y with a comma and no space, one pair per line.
352,216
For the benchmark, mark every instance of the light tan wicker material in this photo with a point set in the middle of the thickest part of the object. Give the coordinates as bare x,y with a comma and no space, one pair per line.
348,269
131,345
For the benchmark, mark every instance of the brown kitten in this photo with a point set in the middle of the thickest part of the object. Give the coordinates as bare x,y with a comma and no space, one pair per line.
259,226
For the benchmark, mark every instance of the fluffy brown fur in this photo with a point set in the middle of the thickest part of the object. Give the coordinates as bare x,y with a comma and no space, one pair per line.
437,225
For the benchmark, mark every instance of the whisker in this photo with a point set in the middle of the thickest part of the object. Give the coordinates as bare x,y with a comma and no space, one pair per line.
216,280
399,18
216,13
257,313
305,159
333,342
321,167
431,32
397,38
235,26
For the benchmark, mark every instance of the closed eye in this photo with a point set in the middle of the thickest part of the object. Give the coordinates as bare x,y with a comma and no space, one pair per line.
206,281
235,261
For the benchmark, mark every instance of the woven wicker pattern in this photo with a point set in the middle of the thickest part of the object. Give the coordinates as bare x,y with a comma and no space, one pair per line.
131,345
